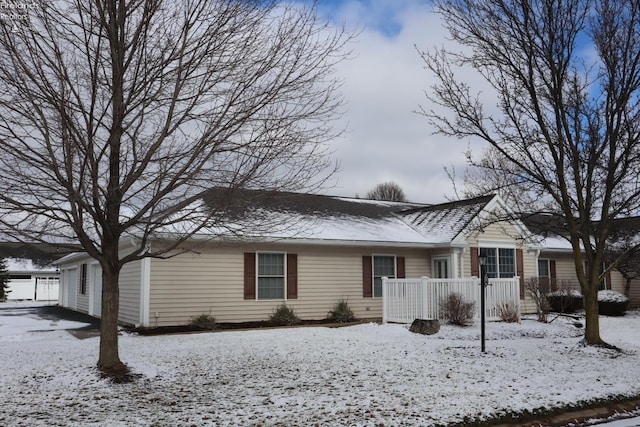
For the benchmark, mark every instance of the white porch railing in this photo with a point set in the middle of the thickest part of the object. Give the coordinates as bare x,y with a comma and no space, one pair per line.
404,300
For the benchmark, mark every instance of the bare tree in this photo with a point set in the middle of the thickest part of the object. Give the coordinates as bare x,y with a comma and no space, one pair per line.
565,130
115,112
389,191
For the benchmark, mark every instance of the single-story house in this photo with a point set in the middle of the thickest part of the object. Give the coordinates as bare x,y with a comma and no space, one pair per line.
556,263
317,251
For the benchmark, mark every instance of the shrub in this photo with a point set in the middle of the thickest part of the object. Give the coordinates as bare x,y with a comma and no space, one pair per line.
284,316
565,301
204,321
456,311
509,312
612,303
341,313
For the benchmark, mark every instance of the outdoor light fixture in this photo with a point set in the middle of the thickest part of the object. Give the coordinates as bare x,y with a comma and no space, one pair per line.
482,260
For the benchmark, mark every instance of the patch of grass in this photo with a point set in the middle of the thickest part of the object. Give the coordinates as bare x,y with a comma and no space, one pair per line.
536,415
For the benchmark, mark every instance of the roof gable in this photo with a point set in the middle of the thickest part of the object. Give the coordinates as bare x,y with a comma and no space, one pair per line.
443,223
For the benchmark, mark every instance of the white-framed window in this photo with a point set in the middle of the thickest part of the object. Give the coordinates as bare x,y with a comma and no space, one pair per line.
543,268
271,270
383,266
501,262
440,267
544,274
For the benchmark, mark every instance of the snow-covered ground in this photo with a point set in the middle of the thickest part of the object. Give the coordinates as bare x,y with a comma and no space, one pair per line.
368,374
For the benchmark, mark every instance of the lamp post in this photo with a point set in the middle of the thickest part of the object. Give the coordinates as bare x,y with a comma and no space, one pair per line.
482,260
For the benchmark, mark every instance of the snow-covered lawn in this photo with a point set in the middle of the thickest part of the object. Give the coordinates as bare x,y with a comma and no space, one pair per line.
368,374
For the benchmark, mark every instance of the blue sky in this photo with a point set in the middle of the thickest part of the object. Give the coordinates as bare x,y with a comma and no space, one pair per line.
384,83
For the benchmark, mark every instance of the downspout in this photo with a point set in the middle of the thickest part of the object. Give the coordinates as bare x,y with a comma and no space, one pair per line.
145,287
145,290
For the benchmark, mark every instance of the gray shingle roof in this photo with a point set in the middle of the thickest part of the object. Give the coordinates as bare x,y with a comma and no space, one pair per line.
341,218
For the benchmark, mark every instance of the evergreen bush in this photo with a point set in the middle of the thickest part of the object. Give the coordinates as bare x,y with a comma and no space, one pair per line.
204,321
611,303
284,316
565,301
341,313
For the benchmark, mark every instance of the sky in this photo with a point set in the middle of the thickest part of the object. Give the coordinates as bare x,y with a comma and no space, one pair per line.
384,83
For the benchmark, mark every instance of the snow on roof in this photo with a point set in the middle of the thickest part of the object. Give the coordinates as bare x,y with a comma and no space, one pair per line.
318,217
442,223
15,265
344,228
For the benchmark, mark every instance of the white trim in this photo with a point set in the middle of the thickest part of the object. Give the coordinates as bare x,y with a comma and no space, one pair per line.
145,290
373,274
91,284
497,244
548,260
496,248
446,258
319,242
284,263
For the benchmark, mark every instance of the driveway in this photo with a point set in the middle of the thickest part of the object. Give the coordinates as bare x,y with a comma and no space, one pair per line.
31,315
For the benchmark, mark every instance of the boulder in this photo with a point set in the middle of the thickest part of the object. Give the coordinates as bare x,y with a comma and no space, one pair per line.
425,326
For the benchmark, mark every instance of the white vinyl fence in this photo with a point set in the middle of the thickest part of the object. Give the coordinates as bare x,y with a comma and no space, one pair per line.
404,300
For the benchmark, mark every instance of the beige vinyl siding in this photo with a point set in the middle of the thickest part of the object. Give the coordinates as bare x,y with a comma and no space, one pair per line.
130,282
565,270
634,293
213,282
82,303
504,233
82,300
617,282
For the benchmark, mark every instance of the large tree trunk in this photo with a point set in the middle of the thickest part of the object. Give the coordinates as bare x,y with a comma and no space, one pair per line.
627,287
592,317
109,359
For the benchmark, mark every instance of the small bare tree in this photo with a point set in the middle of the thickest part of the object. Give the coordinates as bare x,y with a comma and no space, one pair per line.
566,128
115,113
455,310
537,290
389,191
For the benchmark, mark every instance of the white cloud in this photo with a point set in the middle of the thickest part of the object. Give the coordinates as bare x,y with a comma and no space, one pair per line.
384,84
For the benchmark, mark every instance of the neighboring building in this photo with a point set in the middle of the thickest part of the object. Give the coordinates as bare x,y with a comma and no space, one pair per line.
30,281
556,262
319,250
32,275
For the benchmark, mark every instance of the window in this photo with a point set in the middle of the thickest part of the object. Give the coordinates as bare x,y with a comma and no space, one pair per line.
271,271
383,266
544,275
440,268
501,262
83,279
543,268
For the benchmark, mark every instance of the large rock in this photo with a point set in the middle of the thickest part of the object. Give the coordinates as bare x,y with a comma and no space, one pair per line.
425,326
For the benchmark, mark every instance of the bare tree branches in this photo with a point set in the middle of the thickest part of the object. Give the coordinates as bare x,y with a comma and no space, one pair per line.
114,112
389,191
566,138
